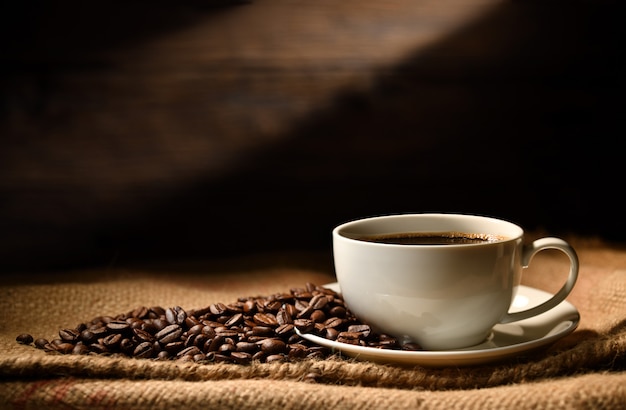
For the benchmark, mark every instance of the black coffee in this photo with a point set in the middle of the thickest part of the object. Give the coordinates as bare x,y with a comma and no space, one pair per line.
432,238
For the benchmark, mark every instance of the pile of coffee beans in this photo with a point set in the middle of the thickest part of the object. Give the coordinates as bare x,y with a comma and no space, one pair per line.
250,329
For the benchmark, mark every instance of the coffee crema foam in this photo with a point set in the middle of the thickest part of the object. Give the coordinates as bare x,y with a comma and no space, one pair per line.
433,238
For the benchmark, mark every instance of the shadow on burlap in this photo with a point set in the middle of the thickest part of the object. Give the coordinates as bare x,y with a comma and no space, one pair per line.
587,366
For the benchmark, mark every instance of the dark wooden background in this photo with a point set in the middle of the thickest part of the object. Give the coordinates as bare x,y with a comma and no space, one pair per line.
154,130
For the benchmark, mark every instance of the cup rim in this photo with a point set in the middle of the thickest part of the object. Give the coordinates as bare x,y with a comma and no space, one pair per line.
513,231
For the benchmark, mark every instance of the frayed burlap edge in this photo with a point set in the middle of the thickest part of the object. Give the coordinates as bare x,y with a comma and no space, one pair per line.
591,391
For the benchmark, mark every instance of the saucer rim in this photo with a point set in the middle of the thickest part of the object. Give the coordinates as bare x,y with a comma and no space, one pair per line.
457,357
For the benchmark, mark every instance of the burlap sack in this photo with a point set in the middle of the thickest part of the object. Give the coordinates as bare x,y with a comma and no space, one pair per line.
586,369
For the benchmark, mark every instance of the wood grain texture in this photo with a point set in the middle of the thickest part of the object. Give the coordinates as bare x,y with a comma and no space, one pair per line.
190,129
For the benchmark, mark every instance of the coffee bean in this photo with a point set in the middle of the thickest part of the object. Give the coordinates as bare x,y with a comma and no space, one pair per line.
234,320
241,357
127,345
264,331
24,339
173,347
318,316
143,350
318,302
169,334
304,325
87,336
64,347
337,311
112,340
98,348
175,315
275,358
118,326
285,330
283,317
273,346
265,319
364,330
218,309
80,349
41,343
68,335
246,347
189,351
143,336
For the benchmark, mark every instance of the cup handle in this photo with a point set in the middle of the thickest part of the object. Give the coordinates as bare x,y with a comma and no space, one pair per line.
527,254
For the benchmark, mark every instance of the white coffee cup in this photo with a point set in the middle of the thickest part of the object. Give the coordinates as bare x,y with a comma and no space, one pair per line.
441,296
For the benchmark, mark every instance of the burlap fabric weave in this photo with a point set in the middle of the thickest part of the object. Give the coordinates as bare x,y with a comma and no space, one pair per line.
586,369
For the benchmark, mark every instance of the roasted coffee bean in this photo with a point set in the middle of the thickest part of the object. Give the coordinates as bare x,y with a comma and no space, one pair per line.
87,336
143,336
134,323
169,334
246,347
140,312
241,357
195,329
80,349
272,306
112,340
265,319
273,346
227,332
249,307
98,348
318,316
227,348
200,340
41,343
127,345
304,325
189,351
99,332
64,347
297,351
364,330
291,310
143,350
118,326
214,344
331,333
285,330
199,357
264,331
175,315
306,312
68,335
218,309
318,302
234,320
24,339
334,322
338,311
191,321
282,317
275,358
174,347
208,331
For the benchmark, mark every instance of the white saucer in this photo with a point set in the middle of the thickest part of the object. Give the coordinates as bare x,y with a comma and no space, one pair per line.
506,341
